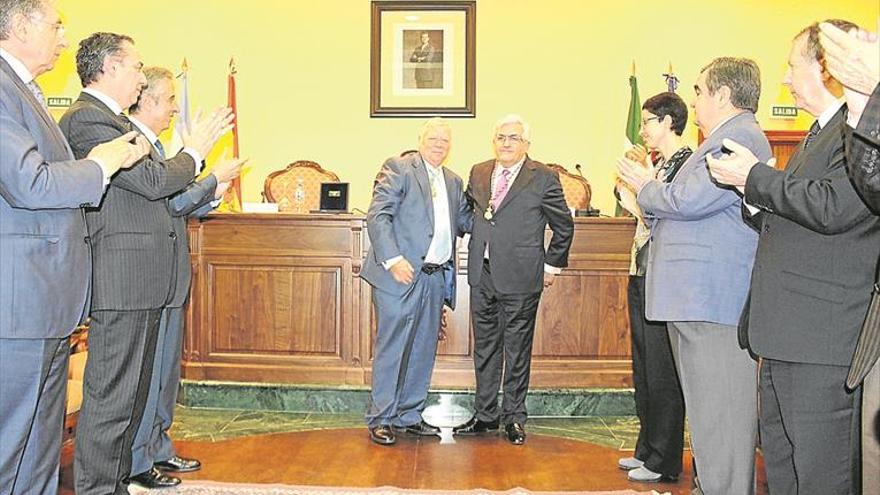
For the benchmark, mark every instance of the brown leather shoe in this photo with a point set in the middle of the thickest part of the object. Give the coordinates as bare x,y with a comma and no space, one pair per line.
383,435
153,479
178,464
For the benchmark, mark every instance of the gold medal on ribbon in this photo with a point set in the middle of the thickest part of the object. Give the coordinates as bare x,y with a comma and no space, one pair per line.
488,214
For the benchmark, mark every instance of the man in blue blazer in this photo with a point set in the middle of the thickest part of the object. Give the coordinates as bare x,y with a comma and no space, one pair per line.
153,453
698,273
45,267
417,212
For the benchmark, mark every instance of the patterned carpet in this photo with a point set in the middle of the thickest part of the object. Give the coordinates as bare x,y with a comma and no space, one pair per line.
211,488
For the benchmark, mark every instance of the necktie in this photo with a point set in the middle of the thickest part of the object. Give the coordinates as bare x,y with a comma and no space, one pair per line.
501,189
38,94
814,130
160,149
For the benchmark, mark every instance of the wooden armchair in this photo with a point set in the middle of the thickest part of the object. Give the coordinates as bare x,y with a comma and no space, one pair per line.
576,188
281,186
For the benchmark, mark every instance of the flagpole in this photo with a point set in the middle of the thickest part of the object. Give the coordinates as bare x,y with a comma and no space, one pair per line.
235,186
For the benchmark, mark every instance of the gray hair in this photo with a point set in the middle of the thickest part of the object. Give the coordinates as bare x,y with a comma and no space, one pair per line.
94,50
153,75
513,119
741,75
813,49
434,123
11,8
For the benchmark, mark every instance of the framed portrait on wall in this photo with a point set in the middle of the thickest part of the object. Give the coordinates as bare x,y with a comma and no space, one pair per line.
423,59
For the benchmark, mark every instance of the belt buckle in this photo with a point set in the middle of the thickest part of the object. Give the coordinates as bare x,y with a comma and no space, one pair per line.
431,268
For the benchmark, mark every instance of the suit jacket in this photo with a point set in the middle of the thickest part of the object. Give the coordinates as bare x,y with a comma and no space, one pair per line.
863,163
134,244
701,251
811,283
515,235
194,201
400,221
45,265
863,152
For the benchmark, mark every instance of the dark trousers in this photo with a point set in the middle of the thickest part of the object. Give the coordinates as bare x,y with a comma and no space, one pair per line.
658,397
32,393
810,429
117,380
407,329
504,328
152,443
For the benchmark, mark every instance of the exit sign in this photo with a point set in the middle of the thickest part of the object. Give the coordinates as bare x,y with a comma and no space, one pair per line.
59,101
783,112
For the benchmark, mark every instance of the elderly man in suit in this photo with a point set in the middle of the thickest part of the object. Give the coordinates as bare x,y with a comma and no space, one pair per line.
515,198
45,269
134,246
417,212
854,60
152,450
699,267
810,289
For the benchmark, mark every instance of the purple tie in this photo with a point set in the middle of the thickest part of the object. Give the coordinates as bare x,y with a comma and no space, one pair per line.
501,189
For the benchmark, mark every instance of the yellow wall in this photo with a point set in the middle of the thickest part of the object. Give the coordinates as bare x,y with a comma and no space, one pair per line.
304,71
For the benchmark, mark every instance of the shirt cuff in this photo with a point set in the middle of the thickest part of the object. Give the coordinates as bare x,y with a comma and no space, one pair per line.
552,269
389,263
195,156
753,210
216,202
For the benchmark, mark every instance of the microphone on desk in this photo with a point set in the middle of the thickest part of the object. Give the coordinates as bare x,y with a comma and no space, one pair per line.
589,211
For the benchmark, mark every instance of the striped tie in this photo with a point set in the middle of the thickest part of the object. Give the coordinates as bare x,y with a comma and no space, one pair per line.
160,149
38,94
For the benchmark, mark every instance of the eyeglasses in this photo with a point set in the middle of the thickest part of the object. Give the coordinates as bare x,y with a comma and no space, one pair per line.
57,26
513,138
649,119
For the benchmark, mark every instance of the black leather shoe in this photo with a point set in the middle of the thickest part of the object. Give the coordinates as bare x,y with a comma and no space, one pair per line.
420,429
383,435
475,426
516,434
178,464
153,479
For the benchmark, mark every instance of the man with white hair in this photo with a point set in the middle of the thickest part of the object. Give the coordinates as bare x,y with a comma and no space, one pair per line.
45,268
514,198
418,209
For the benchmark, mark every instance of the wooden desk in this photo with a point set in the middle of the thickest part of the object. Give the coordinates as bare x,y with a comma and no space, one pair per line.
276,298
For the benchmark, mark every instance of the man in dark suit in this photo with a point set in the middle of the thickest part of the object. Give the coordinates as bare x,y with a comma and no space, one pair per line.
810,288
134,246
417,212
152,450
514,198
854,59
45,268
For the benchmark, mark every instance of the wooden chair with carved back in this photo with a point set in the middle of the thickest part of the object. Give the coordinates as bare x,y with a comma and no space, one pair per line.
281,186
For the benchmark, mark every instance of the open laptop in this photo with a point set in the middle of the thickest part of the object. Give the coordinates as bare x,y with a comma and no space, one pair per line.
334,198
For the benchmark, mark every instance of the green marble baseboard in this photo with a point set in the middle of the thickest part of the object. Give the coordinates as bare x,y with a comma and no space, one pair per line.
354,400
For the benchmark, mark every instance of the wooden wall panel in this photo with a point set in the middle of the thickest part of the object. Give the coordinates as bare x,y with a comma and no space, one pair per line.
277,298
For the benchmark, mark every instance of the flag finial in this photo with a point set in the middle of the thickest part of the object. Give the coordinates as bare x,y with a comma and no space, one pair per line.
232,65
634,67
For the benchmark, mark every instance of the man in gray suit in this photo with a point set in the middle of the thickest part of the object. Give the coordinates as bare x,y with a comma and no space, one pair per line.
699,267
45,267
515,198
811,286
133,257
417,212
152,450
